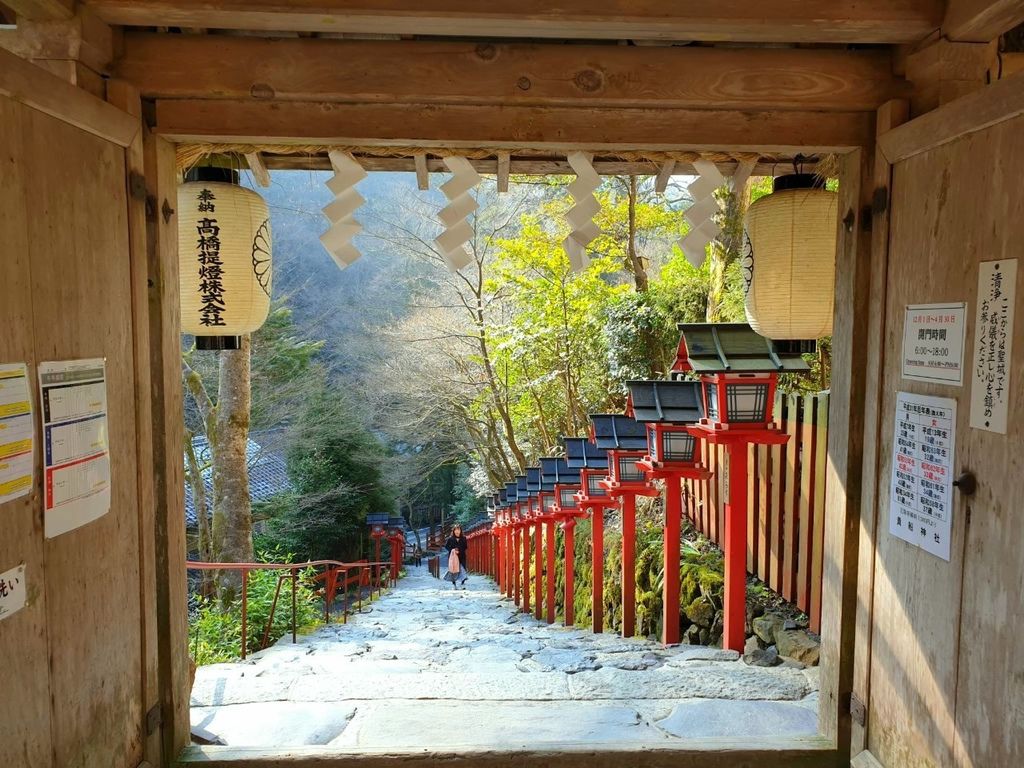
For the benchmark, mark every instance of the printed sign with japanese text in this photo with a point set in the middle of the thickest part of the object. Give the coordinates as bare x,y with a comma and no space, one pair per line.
921,494
993,344
12,591
933,343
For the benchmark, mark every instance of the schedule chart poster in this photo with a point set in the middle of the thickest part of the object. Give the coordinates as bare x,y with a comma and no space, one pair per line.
16,433
76,455
921,498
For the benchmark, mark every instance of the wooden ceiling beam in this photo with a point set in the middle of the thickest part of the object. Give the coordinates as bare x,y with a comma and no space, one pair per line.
516,166
796,21
200,67
980,21
501,127
43,10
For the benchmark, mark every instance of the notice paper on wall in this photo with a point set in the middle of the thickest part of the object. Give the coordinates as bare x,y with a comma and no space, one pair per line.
12,591
921,494
993,344
76,455
16,432
933,343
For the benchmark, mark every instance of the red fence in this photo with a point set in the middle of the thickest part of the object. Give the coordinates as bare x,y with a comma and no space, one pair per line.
785,503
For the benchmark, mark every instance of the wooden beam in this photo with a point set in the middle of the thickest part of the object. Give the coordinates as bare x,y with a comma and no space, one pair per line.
803,21
28,84
490,166
423,72
992,104
497,127
422,174
42,10
504,164
944,71
258,168
82,38
979,21
845,449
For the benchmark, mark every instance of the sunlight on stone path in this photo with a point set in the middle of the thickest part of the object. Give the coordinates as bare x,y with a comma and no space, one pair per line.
431,667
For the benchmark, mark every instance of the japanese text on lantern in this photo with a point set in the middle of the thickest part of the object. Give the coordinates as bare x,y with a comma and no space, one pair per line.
993,342
211,268
920,504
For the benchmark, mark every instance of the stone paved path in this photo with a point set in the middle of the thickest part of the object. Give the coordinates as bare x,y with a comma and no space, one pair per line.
431,667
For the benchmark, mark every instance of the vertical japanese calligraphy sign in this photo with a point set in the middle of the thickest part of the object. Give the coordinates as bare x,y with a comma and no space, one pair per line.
993,345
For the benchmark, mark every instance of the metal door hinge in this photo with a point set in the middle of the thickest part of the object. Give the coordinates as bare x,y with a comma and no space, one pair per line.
857,710
154,719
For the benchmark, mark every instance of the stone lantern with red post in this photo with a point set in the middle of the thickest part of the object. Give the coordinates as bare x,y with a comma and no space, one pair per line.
525,504
549,478
625,440
513,527
566,510
738,372
378,523
666,407
396,538
591,463
533,490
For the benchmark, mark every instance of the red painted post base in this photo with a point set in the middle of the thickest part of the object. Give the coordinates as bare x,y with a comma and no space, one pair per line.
670,589
734,629
597,570
525,577
570,574
628,564
549,550
538,570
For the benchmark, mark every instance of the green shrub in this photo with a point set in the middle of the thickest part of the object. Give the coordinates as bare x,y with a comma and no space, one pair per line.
216,632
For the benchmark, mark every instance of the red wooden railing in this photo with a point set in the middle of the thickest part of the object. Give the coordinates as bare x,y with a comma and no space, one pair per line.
785,503
360,574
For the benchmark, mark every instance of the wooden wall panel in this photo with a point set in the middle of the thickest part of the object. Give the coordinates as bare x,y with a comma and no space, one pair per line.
72,289
25,718
944,688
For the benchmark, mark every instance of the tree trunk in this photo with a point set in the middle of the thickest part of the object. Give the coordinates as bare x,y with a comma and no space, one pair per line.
636,265
726,249
232,516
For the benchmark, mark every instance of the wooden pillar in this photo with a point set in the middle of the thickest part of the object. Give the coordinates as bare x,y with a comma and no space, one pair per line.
734,636
538,569
670,589
597,570
570,575
515,564
550,551
507,558
628,564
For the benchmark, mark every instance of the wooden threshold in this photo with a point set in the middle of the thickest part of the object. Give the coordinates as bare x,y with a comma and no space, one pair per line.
806,752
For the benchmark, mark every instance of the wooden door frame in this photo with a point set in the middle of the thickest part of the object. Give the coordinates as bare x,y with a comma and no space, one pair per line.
846,443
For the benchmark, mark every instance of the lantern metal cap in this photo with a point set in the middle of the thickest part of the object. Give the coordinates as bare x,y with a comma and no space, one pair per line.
556,471
614,431
666,402
732,348
377,518
512,492
533,480
580,453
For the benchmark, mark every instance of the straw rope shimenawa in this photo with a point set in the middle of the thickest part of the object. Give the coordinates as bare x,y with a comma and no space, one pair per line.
190,155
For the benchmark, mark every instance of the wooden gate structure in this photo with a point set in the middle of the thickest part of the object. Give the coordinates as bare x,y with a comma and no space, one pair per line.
917,103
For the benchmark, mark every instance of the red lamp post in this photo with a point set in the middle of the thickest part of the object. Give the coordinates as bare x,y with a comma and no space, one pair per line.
591,463
738,372
672,454
378,531
625,440
396,538
549,477
533,489
525,514
566,510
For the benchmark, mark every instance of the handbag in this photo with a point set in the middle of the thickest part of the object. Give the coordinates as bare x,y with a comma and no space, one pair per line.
453,561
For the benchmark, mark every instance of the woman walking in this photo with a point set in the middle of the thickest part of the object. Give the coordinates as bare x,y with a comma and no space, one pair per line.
457,546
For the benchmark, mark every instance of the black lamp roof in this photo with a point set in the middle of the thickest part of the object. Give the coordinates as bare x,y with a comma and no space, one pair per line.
533,480
377,518
511,492
556,471
522,488
667,402
615,432
736,348
580,453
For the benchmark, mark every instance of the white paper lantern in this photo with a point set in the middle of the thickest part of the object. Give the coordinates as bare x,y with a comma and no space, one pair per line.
790,264
225,258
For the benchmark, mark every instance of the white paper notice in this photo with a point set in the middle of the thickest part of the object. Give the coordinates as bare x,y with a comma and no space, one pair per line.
12,591
16,432
993,343
933,343
921,495
76,458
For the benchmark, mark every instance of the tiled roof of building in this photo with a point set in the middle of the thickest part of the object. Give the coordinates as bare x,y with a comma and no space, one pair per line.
268,475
